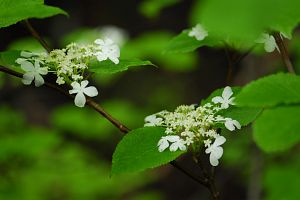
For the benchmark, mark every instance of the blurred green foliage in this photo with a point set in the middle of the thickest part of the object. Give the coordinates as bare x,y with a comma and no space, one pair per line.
39,164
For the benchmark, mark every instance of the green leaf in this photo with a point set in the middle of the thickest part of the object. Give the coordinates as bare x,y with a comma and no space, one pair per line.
281,182
183,43
277,129
270,91
246,20
8,59
243,115
149,46
152,8
18,10
138,151
109,67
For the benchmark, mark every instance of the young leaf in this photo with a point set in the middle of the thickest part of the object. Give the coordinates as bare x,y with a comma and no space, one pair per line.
277,129
183,43
270,91
18,10
138,151
109,67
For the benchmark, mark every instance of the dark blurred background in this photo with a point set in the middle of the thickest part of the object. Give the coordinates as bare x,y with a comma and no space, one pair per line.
52,150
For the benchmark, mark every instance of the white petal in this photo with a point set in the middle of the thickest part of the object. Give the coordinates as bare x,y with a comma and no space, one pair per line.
150,118
213,160
43,70
172,138
236,124
114,59
27,78
91,91
174,147
227,92
75,86
27,66
20,60
270,44
80,99
182,147
26,54
229,125
162,144
84,83
38,80
219,141
217,99
217,152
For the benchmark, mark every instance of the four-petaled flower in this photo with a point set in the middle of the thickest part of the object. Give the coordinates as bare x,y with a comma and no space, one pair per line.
231,124
152,120
268,41
80,90
198,32
215,150
225,99
178,143
108,50
33,72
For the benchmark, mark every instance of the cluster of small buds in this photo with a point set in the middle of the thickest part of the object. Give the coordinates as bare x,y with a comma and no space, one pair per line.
192,125
69,65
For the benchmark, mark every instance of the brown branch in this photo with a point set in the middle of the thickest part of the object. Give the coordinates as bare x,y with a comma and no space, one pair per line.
283,52
37,36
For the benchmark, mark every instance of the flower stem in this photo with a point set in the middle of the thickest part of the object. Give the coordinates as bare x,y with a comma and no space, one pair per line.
283,52
35,34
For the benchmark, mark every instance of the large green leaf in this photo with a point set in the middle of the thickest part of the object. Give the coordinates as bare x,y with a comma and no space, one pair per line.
277,129
183,43
246,20
17,10
109,67
270,91
138,151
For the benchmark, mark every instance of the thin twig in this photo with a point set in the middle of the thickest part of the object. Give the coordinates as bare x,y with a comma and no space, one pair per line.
283,52
37,36
230,65
209,178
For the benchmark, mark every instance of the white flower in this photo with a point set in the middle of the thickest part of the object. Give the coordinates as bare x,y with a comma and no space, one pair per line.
231,124
152,120
198,32
60,80
33,72
80,90
163,144
225,99
268,41
178,143
108,50
215,150
118,35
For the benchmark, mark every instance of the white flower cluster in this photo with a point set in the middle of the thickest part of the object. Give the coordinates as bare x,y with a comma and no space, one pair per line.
69,65
192,125
199,32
